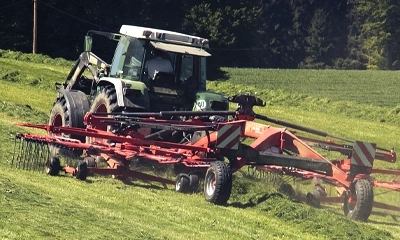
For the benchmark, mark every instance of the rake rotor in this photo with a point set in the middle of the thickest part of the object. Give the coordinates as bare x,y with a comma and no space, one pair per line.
213,150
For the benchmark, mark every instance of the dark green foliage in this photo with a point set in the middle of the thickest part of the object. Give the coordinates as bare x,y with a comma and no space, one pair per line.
269,34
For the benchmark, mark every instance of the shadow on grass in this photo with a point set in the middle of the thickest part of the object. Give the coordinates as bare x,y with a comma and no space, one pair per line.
384,223
384,214
143,184
255,200
217,75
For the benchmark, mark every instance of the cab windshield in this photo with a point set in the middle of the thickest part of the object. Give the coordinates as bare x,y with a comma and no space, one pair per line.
131,55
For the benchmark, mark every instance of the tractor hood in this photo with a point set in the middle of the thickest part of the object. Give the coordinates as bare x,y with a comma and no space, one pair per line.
209,101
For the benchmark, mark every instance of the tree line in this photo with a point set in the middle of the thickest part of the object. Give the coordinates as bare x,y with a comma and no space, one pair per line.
339,34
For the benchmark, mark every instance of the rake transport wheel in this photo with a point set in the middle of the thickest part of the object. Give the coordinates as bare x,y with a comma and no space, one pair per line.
69,113
104,101
53,166
358,203
194,182
90,161
182,183
313,198
81,170
218,183
287,189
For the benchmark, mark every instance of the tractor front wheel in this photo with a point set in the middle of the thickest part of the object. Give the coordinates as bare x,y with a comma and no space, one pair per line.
358,203
218,183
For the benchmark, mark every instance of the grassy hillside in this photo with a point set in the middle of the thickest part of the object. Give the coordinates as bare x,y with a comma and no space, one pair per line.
37,206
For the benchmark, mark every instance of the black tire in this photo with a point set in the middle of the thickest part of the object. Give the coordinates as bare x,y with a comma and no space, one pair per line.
81,170
59,116
194,183
287,189
53,166
364,201
182,183
104,101
91,162
313,198
218,183
321,190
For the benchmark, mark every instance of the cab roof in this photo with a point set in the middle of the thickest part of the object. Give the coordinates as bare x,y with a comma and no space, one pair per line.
164,36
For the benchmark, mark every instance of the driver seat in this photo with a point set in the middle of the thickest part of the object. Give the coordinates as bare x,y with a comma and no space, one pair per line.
164,78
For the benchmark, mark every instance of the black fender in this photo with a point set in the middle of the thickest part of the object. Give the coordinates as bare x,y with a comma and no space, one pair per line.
78,105
122,100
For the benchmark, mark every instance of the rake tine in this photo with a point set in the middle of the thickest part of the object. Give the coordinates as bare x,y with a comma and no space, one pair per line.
14,158
45,155
23,153
38,158
41,157
27,156
18,154
35,154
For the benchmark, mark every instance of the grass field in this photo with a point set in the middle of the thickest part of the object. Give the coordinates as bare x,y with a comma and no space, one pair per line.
36,206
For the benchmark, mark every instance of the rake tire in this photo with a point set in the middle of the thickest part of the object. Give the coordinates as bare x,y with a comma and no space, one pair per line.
287,189
53,166
362,208
313,198
194,183
182,183
81,170
91,162
218,183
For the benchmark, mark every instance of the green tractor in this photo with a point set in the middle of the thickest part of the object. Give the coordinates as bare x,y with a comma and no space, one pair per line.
124,85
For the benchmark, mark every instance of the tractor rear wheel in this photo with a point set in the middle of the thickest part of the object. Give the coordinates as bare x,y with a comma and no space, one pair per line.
358,205
105,101
60,117
218,183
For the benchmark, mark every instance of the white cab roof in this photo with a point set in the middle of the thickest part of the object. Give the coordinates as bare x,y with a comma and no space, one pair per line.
164,36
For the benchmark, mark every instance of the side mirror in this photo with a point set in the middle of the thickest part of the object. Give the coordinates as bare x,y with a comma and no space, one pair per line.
87,45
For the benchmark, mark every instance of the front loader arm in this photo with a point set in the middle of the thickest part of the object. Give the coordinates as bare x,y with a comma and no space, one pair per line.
87,60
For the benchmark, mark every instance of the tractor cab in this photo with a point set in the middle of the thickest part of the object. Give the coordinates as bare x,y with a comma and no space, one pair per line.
167,90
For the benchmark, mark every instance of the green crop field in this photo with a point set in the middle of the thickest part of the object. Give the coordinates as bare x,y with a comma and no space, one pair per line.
353,104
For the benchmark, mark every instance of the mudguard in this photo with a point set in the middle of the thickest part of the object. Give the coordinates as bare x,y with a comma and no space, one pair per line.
139,97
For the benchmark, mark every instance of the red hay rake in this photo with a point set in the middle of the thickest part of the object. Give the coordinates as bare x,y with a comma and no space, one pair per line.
210,145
